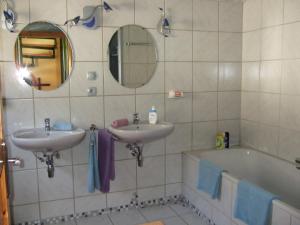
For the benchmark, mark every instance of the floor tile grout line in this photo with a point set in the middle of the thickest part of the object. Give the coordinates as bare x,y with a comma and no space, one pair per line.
178,215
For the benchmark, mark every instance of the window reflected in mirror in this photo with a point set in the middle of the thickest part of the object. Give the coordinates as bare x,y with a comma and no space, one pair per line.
43,56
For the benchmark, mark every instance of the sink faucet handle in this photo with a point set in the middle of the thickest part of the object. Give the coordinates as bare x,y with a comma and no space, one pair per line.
136,118
47,121
47,124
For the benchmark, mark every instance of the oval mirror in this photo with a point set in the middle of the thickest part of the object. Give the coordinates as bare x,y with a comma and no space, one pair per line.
132,56
43,55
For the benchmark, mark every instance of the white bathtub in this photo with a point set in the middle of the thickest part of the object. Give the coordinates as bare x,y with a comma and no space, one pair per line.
272,174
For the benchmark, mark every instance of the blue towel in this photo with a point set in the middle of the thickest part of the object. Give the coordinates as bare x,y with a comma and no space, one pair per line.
63,126
93,169
253,204
210,177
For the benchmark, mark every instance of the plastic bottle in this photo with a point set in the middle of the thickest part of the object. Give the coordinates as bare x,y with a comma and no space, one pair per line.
153,115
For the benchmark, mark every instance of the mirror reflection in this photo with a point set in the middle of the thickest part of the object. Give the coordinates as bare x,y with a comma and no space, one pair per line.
132,56
43,56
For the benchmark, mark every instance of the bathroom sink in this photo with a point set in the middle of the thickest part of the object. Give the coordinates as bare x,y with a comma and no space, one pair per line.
142,133
38,140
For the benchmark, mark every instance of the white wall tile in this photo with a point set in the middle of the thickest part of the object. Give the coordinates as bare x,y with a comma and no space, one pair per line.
230,76
57,208
79,82
205,106
269,109
231,16
205,76
125,176
118,107
271,43
205,46
13,85
24,187
147,13
151,193
205,15
87,44
119,198
178,76
58,187
8,40
272,12
289,112
18,115
252,11
180,139
250,106
291,11
291,40
173,189
56,109
122,14
90,203
288,142
180,13
86,111
270,76
25,213
173,168
152,173
230,47
251,76
229,105
40,10
290,77
179,46
179,110
251,45
204,135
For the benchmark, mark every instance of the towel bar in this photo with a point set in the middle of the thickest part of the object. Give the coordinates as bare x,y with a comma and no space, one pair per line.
93,127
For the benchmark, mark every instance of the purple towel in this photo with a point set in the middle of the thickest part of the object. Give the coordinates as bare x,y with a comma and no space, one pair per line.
106,159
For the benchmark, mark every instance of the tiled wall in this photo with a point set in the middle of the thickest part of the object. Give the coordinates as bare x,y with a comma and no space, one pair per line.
202,57
271,75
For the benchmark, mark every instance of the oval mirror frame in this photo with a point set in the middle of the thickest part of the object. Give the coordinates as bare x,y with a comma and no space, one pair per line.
135,47
43,55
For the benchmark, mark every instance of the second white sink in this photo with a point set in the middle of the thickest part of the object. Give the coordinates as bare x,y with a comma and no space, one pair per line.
142,133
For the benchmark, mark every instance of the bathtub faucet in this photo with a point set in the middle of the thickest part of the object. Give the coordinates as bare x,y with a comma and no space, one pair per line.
297,161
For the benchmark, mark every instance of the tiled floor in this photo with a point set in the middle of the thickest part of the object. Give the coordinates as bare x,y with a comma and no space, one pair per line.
169,215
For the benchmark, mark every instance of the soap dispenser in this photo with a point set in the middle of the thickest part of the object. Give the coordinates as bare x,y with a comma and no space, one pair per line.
153,115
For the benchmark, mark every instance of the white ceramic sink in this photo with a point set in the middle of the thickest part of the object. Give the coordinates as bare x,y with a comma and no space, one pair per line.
142,133
38,140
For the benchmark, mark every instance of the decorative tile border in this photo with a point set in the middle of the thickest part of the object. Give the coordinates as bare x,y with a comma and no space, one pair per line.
175,199
203,218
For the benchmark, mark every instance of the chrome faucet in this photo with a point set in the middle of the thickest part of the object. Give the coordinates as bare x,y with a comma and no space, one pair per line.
47,124
136,118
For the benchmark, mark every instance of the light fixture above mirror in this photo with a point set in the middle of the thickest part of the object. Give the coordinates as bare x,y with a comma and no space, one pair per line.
132,56
43,56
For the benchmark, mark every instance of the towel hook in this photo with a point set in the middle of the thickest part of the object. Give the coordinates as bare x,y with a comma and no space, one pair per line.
93,127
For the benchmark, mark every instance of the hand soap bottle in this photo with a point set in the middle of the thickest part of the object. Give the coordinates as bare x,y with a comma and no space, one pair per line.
153,116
